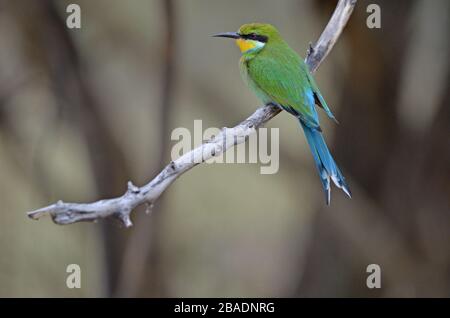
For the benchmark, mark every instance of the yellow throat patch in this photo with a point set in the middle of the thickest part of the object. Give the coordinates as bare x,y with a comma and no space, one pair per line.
245,45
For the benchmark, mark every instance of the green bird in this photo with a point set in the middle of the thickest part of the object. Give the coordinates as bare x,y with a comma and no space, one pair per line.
278,76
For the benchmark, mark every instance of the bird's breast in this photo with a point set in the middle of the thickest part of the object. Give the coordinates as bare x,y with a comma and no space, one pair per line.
246,74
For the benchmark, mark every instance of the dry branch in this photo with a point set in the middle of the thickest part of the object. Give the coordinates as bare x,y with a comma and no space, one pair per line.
121,207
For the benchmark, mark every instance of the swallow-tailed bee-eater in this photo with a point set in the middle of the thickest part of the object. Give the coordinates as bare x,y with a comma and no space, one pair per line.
278,76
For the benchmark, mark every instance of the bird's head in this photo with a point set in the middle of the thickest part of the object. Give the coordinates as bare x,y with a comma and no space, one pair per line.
252,37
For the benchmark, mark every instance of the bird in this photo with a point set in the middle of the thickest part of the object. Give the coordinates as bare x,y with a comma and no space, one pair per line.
278,76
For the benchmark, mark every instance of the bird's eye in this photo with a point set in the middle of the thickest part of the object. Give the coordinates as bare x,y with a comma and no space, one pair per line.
255,37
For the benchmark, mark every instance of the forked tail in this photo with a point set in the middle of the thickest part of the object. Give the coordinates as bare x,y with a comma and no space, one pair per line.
324,162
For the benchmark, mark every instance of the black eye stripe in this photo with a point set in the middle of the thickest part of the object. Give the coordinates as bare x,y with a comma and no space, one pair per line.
255,37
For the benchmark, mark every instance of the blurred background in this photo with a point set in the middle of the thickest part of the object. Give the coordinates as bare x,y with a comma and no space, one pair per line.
83,111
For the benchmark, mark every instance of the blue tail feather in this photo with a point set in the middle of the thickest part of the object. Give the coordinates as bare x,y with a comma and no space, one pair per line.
324,162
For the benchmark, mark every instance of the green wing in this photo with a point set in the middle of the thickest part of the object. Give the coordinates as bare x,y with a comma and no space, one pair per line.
275,75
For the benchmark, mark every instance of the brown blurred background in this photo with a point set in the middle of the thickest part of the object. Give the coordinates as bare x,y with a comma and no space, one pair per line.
84,111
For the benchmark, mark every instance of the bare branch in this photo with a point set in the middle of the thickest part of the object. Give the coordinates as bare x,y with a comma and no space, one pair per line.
121,207
330,35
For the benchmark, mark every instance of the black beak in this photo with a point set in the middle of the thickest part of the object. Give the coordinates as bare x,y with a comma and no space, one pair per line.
231,35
